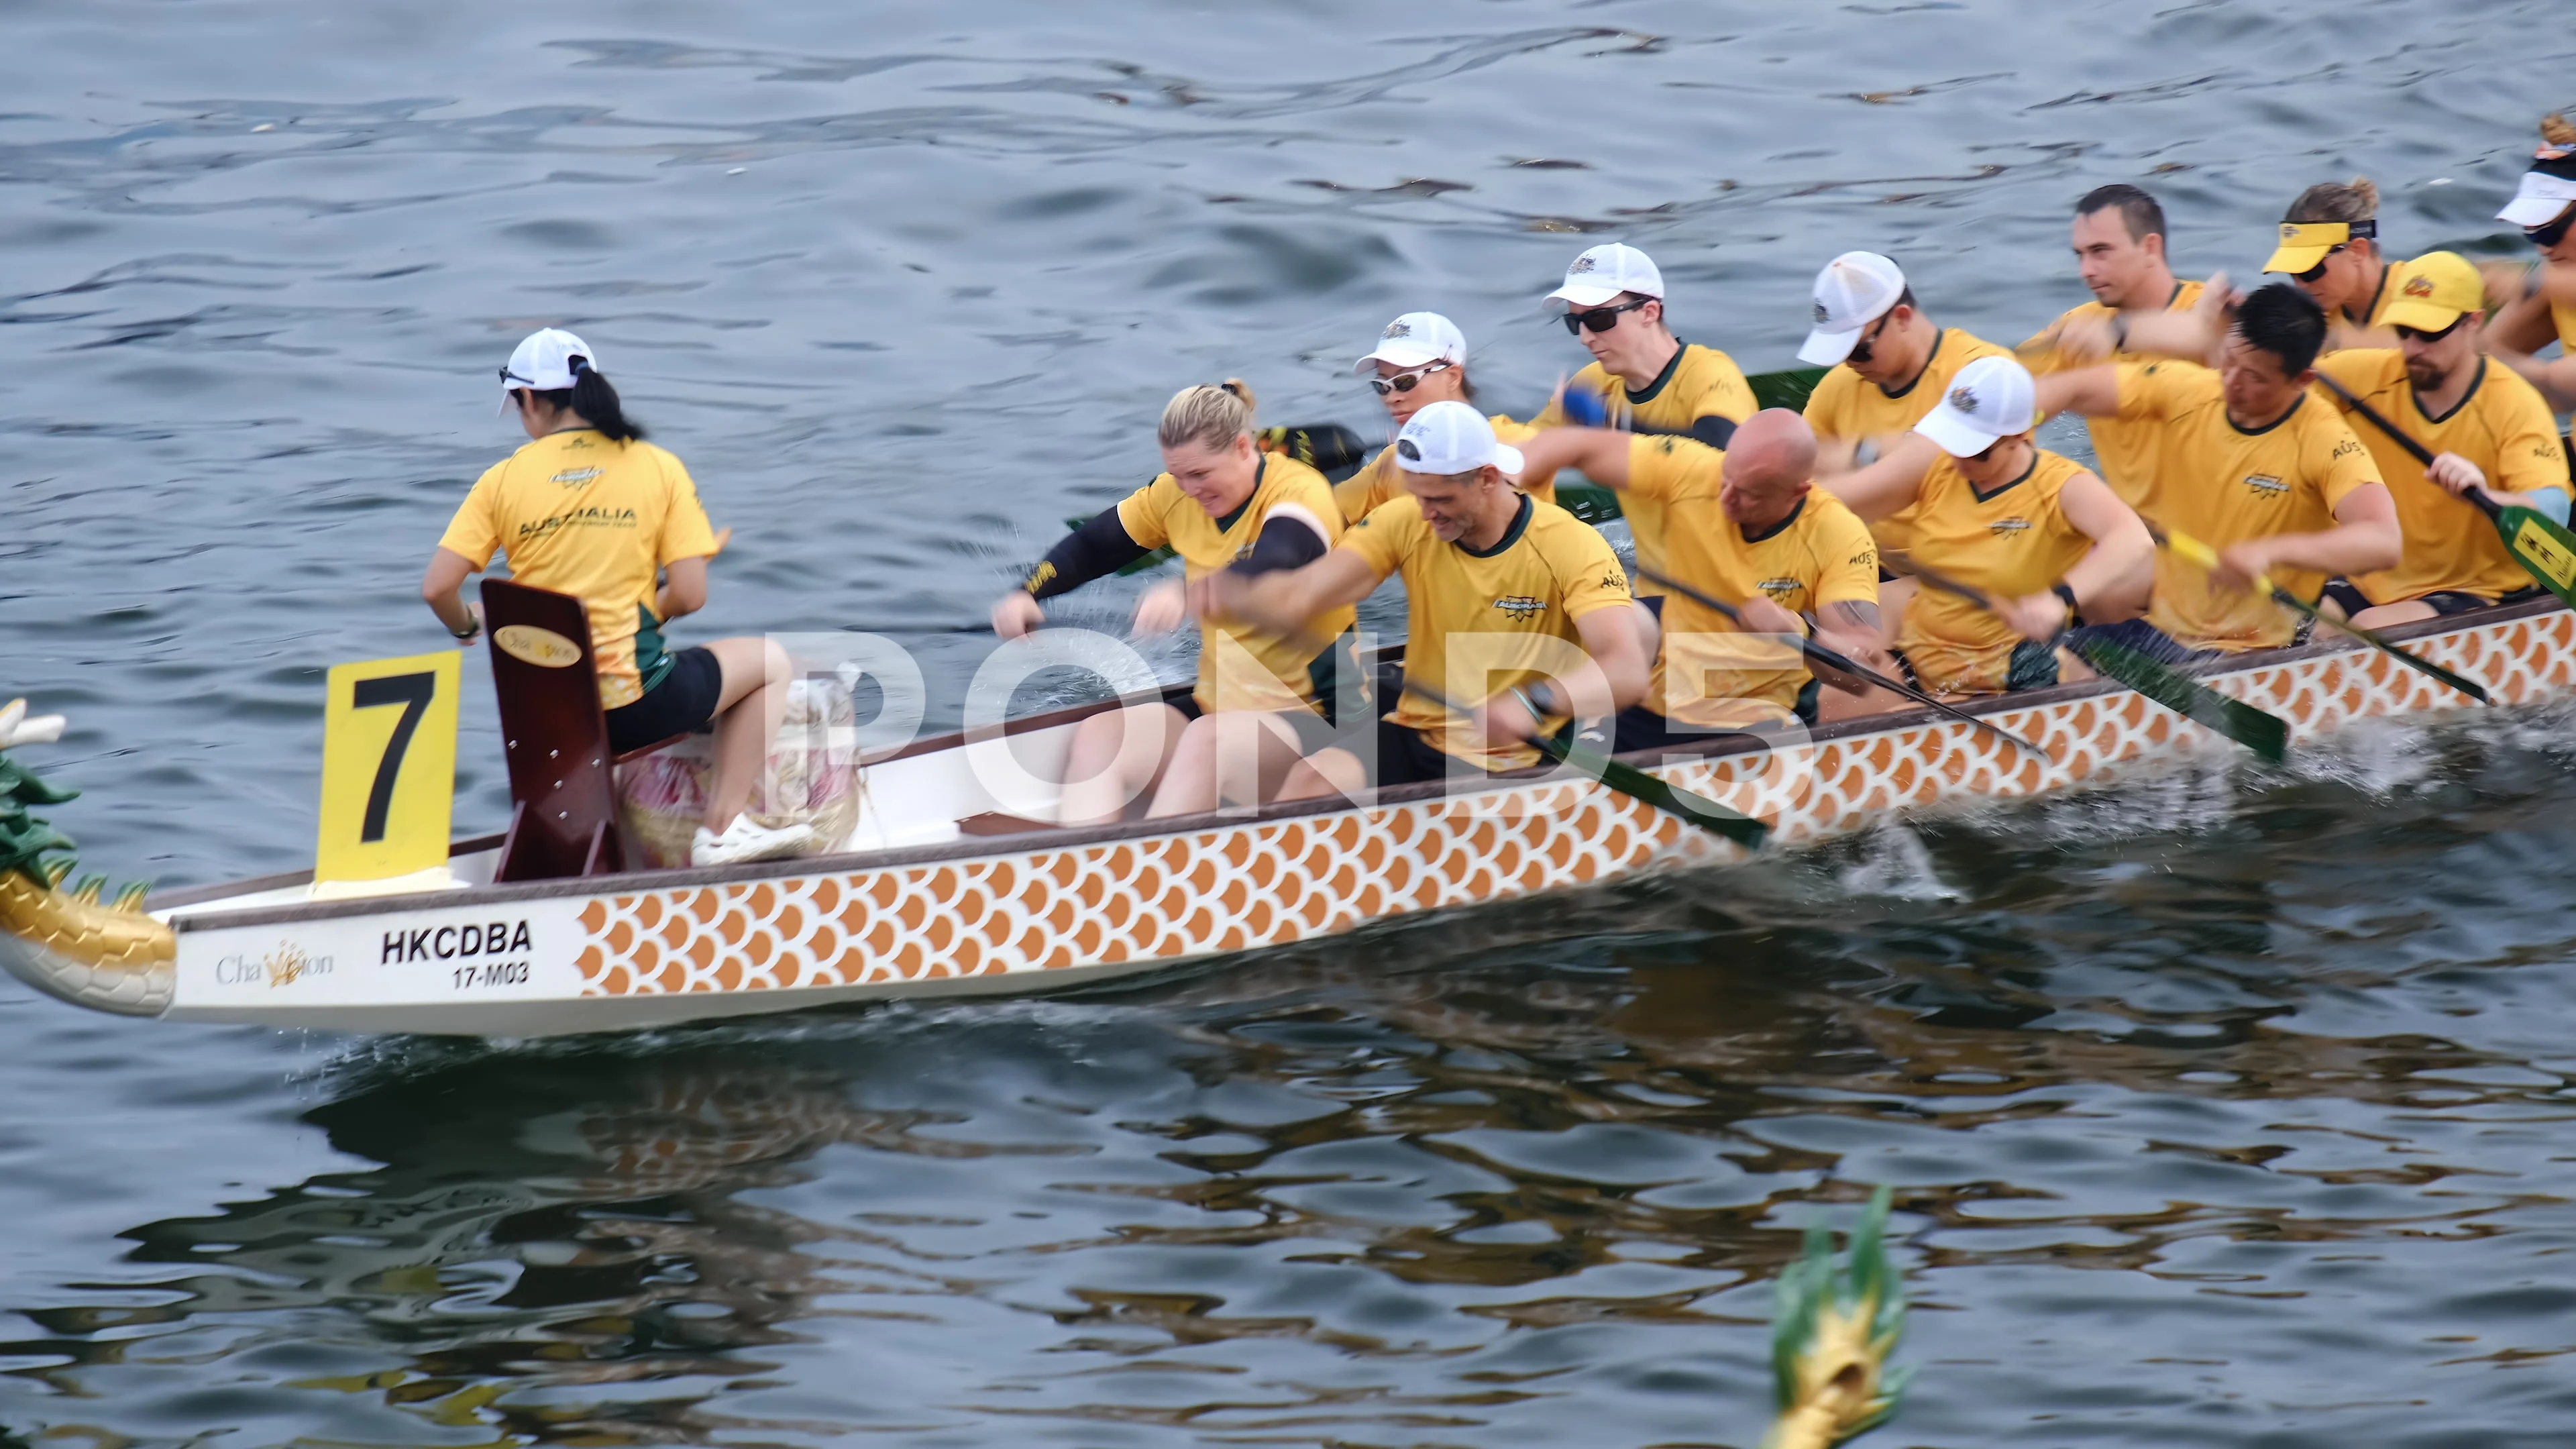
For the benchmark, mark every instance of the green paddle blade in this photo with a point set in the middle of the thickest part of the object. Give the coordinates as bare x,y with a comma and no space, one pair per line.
1590,502
1637,785
2265,734
2545,550
1786,389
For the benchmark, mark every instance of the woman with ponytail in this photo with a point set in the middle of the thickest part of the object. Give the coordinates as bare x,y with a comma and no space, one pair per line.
1263,699
2329,245
588,508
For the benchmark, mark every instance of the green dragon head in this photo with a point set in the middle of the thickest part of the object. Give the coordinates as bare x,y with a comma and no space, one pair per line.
24,839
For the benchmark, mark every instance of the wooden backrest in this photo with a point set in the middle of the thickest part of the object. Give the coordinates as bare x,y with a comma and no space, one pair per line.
564,819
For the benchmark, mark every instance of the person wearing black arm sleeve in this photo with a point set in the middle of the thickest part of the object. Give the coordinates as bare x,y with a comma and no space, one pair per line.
1224,504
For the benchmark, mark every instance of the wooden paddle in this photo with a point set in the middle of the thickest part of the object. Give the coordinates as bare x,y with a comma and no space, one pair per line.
1832,660
2185,546
2265,734
1627,780
2546,551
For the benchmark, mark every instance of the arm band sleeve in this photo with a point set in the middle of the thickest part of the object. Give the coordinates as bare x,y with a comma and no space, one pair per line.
2550,503
1285,543
1713,430
1098,547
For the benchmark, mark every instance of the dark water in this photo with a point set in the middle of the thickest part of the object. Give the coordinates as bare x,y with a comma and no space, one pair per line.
2227,1108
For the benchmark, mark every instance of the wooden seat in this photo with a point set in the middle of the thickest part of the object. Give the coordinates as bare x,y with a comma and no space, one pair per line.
564,815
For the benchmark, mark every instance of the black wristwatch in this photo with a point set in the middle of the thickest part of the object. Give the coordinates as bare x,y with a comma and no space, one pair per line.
2067,592
467,634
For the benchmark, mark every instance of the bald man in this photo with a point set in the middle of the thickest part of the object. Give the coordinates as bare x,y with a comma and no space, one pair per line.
1746,526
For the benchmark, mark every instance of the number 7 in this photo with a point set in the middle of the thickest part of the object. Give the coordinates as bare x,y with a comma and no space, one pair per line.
413,692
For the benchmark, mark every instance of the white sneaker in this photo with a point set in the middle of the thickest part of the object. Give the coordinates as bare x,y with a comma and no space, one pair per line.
743,842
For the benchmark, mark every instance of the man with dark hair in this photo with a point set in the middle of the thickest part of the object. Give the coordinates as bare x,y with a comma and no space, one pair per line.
2249,463
2120,251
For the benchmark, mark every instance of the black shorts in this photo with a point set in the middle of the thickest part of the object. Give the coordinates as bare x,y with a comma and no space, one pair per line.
2138,637
2444,601
683,703
1404,757
1313,731
1641,728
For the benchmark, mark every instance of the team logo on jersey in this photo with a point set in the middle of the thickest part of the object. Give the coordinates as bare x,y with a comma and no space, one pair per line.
2265,485
1964,400
1398,328
1779,588
2007,527
575,477
1521,606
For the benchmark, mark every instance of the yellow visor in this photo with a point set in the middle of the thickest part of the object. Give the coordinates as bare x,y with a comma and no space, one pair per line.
2305,243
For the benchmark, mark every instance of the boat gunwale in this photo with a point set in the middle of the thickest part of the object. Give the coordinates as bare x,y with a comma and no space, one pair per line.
994,846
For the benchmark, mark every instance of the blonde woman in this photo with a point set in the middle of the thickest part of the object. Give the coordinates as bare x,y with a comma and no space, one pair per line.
1221,504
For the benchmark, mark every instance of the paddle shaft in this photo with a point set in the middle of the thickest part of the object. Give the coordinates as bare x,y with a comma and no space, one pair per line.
2207,557
2265,734
1836,662
1627,780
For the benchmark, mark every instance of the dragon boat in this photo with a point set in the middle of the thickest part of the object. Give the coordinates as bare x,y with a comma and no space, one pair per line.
945,885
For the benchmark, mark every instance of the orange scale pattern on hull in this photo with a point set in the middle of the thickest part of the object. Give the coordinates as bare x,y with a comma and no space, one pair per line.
1034,907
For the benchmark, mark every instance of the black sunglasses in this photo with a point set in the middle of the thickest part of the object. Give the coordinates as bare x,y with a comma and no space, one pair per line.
1860,349
1406,381
1600,319
2418,334
2551,233
2318,272
508,377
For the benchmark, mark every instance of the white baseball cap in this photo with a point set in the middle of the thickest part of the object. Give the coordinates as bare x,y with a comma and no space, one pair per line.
543,360
1414,339
1451,437
2539,199
1606,271
1854,290
1990,398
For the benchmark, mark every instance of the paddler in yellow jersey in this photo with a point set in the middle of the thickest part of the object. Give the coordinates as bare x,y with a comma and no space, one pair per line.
1420,359
1518,611
2043,539
2544,206
1747,527
2251,463
2120,251
588,508
1891,364
2329,245
1641,378
1222,504
2486,428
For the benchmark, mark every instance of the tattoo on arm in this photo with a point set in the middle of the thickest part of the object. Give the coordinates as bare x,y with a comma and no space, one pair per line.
1855,614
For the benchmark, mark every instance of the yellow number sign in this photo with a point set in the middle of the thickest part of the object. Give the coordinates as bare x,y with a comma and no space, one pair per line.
388,768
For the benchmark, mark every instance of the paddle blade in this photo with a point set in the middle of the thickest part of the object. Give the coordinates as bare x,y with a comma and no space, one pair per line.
1637,785
1590,502
2545,550
2265,734
1786,389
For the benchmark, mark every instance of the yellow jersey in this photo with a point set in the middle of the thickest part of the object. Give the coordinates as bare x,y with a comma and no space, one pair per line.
578,514
1848,405
1699,382
1711,674
1483,621
2503,425
1241,667
2223,485
2124,453
2010,543
2564,314
1379,480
